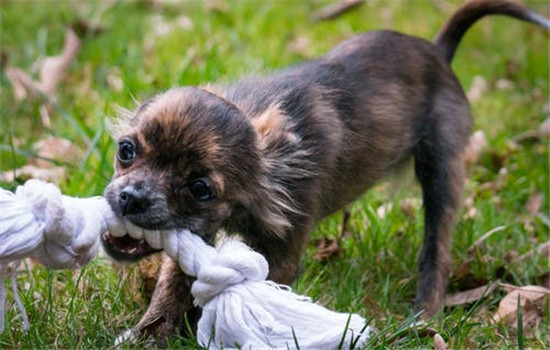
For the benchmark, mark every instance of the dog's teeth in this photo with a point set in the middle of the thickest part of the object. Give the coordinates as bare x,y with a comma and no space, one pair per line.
132,251
153,238
134,231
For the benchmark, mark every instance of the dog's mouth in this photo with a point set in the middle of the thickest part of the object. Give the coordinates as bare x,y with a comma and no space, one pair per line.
126,248
129,242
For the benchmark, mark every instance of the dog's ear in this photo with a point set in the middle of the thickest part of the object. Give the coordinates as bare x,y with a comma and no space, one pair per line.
280,151
273,128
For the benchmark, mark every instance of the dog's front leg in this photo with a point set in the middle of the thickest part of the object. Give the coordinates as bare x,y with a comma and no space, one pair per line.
170,305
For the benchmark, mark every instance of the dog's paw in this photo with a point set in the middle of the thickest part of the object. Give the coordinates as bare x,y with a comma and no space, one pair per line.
129,336
132,337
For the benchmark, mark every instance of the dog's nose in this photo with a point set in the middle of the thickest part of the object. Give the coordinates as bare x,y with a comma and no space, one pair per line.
132,201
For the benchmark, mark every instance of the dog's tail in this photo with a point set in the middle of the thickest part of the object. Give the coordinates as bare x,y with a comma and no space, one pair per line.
450,35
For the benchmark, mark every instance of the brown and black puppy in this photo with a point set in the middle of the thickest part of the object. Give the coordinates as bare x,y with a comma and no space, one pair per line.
267,157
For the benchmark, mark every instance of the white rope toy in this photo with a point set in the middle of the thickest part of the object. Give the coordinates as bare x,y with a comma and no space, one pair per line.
240,308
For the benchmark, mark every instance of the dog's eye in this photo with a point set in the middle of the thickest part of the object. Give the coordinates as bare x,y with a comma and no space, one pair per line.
200,190
126,152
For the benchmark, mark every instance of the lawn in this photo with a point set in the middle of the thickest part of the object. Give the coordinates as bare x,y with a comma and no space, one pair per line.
134,49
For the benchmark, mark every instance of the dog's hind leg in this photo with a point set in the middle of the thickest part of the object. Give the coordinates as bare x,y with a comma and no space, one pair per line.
439,169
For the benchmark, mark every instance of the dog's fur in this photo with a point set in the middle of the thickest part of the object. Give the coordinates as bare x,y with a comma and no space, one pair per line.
276,154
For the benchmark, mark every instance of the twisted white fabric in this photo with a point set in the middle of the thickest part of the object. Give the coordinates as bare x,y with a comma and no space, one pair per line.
58,231
240,308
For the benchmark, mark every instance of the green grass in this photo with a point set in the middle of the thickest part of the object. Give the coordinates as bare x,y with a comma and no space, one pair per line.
88,308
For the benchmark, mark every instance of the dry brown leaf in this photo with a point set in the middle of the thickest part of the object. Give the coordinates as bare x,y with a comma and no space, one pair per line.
52,174
327,248
53,69
184,22
51,149
477,89
464,278
469,296
56,149
476,144
409,206
544,128
216,6
335,10
470,210
114,79
534,203
543,249
504,84
439,343
300,45
532,298
21,83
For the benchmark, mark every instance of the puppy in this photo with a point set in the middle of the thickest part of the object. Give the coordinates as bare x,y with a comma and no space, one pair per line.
267,157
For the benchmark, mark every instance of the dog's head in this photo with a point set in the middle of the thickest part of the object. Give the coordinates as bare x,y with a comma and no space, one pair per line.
186,159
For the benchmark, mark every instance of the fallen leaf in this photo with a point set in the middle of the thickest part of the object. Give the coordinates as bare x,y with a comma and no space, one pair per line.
534,203
476,144
544,128
477,89
470,209
161,27
543,249
327,248
464,279
43,166
510,256
469,296
409,206
52,71
216,6
544,280
54,68
52,174
531,298
54,148
505,84
21,83
335,10
184,22
300,45
541,133
439,342
114,79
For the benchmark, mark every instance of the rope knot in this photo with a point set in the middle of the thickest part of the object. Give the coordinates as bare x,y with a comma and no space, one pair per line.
233,264
46,203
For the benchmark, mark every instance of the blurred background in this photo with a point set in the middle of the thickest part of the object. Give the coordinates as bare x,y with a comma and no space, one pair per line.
66,65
